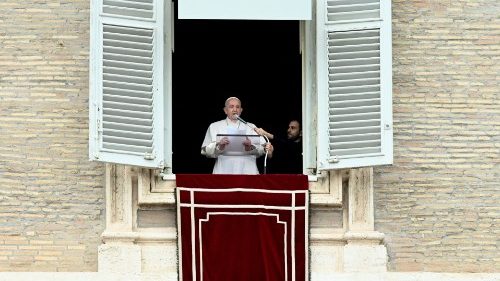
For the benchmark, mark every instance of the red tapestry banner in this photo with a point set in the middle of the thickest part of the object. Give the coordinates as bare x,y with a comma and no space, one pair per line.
242,227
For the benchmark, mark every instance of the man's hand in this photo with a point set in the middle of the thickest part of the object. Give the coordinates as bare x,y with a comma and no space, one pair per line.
248,144
221,145
269,148
263,132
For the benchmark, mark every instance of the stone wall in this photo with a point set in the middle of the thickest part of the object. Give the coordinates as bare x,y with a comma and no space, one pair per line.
51,196
439,204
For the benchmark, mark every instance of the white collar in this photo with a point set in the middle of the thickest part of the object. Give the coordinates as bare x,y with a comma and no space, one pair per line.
230,122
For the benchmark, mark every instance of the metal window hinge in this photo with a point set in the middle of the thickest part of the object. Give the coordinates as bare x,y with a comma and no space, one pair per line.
99,126
333,159
149,156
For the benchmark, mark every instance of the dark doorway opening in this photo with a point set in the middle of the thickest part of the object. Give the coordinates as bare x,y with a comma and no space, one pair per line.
257,61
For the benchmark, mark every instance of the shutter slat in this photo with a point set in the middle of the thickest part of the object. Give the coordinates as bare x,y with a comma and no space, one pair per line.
129,64
128,37
353,15
355,10
136,13
354,75
127,52
142,5
142,9
353,124
353,37
128,113
127,93
130,149
127,120
341,13
354,103
365,152
128,30
355,61
139,108
356,137
127,127
354,110
354,82
352,68
338,8
126,99
134,79
128,72
354,49
340,54
128,134
348,2
355,96
356,117
128,45
355,144
354,131
127,58
354,89
144,1
147,144
147,89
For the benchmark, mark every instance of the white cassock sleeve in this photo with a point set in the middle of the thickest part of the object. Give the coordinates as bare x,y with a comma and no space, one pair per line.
209,145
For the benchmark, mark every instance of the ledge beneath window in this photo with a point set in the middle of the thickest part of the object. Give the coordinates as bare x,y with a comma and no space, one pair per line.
325,189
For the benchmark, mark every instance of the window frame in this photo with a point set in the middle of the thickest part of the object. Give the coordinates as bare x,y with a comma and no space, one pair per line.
314,79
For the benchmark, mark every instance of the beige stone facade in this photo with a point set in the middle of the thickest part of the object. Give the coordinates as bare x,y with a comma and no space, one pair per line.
52,197
436,209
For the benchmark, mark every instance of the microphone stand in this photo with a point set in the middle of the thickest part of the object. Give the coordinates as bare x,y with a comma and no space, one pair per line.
265,157
265,137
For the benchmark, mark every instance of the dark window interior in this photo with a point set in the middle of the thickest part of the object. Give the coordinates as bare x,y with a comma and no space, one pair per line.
257,61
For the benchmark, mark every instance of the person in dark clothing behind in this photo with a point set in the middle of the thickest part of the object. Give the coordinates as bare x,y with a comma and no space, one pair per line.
287,154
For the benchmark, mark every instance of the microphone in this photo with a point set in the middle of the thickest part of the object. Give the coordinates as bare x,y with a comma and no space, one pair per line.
267,140
246,123
240,119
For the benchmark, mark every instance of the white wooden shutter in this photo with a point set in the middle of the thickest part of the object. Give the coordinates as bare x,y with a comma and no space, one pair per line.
126,82
354,68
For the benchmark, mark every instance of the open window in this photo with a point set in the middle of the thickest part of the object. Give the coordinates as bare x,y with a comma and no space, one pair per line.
146,84
257,61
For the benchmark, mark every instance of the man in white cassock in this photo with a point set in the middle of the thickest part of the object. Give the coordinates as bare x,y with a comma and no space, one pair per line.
234,154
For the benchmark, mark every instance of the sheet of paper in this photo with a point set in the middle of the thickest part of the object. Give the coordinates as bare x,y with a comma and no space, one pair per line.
236,138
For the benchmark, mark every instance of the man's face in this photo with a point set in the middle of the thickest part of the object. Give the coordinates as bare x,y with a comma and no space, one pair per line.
233,107
293,131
